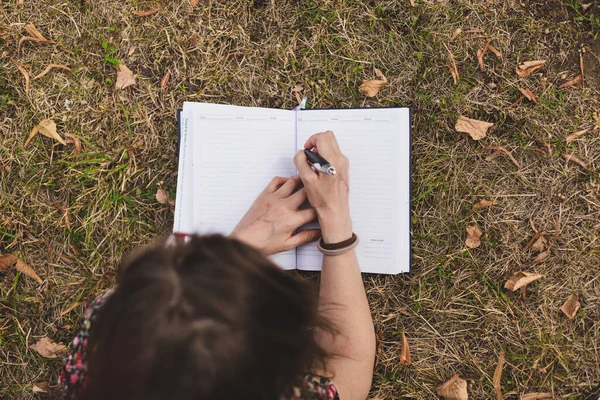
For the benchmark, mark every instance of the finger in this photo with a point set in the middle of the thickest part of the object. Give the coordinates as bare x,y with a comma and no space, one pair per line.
324,142
288,187
303,237
275,184
304,171
297,198
303,217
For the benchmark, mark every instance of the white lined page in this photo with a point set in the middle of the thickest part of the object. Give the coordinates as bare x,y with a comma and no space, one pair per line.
184,198
377,143
237,151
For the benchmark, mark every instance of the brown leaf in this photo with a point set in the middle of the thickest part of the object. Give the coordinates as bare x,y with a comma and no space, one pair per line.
455,34
404,351
162,196
496,52
7,261
575,135
194,3
529,94
40,387
380,74
27,270
540,244
508,153
165,80
528,67
72,307
537,396
47,128
483,203
146,13
576,160
131,51
451,64
76,142
474,128
571,306
370,88
36,36
480,53
412,3
48,348
521,279
25,74
49,67
572,82
498,376
596,118
297,89
542,256
473,236
32,30
125,77
453,389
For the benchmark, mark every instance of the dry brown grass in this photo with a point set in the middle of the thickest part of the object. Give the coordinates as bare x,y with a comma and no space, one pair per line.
453,309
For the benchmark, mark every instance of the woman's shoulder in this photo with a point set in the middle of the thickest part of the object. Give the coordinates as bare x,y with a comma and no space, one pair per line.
314,387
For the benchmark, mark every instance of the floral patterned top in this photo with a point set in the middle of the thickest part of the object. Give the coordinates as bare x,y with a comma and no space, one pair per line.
73,378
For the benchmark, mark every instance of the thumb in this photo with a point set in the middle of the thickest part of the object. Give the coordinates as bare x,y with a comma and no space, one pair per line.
303,237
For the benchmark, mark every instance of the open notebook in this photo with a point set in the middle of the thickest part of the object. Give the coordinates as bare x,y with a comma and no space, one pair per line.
228,154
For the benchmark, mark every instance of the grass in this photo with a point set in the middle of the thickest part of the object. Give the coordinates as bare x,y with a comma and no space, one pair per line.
453,308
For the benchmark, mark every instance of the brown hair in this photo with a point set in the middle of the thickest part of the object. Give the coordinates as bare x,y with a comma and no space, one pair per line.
212,318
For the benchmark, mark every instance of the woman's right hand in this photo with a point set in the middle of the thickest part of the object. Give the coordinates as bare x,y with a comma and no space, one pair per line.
328,194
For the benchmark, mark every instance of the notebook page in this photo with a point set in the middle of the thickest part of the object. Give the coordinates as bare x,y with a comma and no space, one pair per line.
377,142
183,222
237,151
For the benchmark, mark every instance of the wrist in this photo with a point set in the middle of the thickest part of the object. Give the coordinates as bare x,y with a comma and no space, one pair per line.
335,227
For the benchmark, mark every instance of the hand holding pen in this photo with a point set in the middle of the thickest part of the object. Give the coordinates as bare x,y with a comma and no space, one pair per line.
318,163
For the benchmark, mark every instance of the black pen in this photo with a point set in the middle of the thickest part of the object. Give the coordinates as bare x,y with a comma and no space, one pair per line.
318,163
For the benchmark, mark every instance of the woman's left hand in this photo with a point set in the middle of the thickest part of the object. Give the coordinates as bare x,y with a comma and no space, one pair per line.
274,216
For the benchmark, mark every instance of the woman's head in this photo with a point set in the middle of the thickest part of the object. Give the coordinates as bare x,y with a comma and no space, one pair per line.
211,318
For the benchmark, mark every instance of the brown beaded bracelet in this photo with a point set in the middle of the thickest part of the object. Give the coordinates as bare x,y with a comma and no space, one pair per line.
336,249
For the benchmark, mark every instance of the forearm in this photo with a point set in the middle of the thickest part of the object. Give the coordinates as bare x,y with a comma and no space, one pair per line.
343,301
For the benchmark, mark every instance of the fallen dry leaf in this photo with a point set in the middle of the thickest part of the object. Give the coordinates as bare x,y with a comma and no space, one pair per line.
25,269
194,3
380,74
49,67
496,52
521,279
36,36
7,261
165,80
370,88
483,203
454,389
404,351
476,129
72,307
75,140
540,244
504,151
24,73
473,236
131,51
146,13
528,67
498,376
575,135
576,160
451,64
47,128
40,387
296,90
571,306
125,77
48,348
596,118
412,3
542,256
480,53
162,196
572,82
529,94
537,396
455,34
